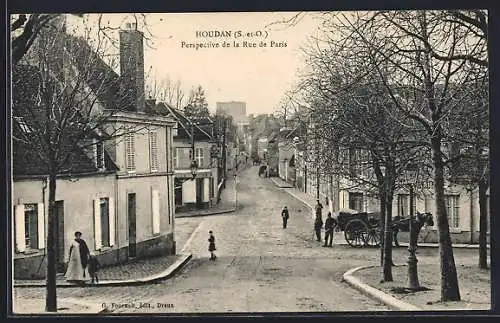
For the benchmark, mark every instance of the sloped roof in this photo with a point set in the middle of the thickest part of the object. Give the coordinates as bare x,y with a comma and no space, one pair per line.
26,161
102,79
201,132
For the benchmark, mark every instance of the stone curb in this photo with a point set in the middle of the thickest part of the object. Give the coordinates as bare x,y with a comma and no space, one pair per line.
166,274
377,294
209,213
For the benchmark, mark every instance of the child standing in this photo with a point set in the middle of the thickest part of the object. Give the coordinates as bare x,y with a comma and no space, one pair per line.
93,267
211,245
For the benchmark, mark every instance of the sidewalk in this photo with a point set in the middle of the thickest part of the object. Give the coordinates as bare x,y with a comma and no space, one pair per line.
305,198
310,201
134,273
227,203
474,283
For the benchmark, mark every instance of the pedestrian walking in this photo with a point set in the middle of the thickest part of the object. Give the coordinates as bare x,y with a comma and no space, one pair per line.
93,268
285,215
211,245
77,260
329,225
318,224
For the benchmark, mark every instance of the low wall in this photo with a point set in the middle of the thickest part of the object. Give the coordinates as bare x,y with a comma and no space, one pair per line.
35,266
30,266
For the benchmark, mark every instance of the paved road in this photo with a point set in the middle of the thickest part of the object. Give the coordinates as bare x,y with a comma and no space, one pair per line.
260,266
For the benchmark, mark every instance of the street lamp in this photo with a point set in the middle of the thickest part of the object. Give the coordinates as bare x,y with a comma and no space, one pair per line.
413,284
286,169
194,168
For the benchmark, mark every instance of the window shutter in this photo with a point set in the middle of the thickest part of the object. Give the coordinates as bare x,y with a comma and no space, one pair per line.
153,148
111,216
19,225
41,225
155,205
97,224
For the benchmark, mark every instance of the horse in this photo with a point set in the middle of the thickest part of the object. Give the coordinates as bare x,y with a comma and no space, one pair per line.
403,224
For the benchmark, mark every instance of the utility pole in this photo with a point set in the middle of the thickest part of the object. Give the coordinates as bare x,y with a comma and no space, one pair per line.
193,158
224,152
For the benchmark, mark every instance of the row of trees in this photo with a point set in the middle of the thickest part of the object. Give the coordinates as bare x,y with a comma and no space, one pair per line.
385,92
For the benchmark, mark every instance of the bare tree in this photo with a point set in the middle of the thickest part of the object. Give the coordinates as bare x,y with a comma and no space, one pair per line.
25,29
469,158
59,98
409,42
363,137
197,107
166,90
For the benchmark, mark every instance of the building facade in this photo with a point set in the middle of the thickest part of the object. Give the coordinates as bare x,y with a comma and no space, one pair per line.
201,191
118,192
340,193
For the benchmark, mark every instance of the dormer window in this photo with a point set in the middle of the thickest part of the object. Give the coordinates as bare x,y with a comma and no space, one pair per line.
98,154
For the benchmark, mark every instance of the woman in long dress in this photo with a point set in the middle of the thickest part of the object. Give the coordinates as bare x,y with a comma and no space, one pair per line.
75,272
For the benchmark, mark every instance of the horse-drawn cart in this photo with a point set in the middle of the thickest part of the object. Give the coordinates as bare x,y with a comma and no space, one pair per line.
360,228
365,229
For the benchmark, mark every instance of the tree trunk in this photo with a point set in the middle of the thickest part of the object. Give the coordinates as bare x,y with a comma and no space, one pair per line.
382,226
449,280
483,217
387,264
51,296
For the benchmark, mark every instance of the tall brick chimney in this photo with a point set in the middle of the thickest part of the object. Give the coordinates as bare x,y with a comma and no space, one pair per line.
132,68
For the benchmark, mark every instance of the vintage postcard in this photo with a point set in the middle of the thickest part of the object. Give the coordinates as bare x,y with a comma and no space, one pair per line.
250,162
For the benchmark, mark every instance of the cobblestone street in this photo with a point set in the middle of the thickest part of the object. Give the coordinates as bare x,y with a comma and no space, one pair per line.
260,266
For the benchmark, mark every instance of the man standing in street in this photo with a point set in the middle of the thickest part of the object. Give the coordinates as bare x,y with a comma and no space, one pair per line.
319,208
285,216
329,225
318,224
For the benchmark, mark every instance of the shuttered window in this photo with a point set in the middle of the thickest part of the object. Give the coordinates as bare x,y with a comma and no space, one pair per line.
198,154
356,201
19,228
155,210
176,157
29,226
211,187
104,223
403,205
104,205
452,210
153,150
130,152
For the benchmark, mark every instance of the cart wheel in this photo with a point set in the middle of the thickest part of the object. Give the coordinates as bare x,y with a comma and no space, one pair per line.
354,233
372,237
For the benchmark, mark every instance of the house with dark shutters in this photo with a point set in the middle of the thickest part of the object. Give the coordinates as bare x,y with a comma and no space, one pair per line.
199,192
119,193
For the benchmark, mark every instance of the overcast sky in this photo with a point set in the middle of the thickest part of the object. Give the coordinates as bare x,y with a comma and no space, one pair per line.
258,76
